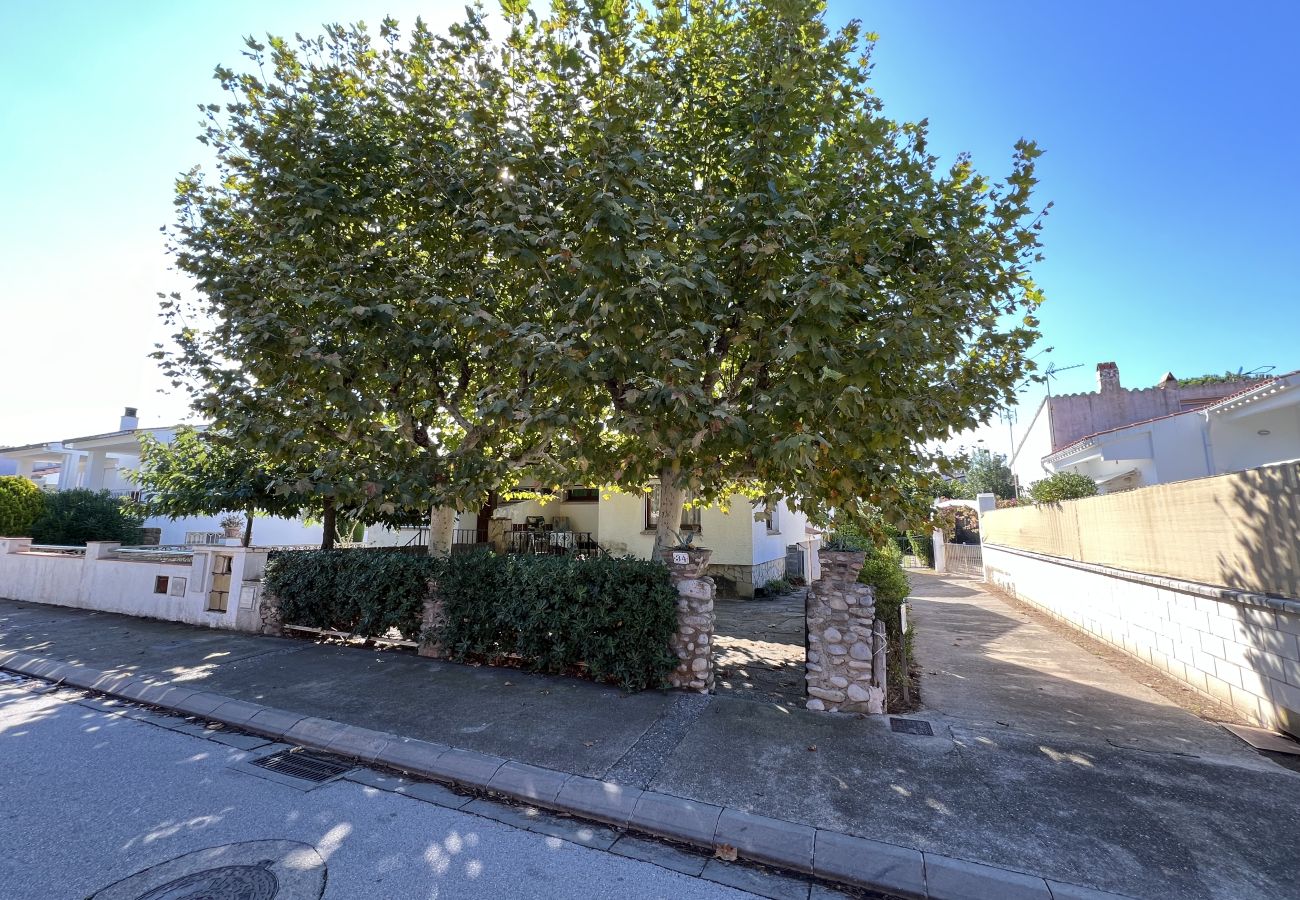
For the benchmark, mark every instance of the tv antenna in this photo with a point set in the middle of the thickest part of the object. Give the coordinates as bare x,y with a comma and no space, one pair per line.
1053,370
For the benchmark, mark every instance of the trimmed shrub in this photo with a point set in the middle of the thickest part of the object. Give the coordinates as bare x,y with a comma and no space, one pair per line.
74,517
362,592
21,504
1062,486
616,616
883,570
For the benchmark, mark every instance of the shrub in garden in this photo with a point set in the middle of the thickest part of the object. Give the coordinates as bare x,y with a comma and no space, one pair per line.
74,517
21,504
617,616
1062,486
361,592
883,570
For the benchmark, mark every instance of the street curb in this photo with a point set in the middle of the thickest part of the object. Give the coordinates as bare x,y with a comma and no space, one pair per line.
830,855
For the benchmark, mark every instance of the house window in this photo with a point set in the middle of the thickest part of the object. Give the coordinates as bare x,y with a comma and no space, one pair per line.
771,516
690,514
582,495
160,584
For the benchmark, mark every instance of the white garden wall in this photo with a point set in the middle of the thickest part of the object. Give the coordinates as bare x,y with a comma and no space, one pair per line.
102,580
1240,648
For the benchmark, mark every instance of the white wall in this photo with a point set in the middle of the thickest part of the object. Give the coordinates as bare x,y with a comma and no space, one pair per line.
791,526
1237,443
728,534
1241,649
1027,465
268,531
99,581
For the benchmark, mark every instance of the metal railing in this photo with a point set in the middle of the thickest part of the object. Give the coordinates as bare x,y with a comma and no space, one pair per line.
204,538
168,554
551,543
964,559
57,549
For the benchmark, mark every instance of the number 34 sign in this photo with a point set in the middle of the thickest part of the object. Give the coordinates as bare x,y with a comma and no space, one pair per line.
681,558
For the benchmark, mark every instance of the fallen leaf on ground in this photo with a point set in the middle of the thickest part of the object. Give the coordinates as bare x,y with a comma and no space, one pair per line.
812,748
725,852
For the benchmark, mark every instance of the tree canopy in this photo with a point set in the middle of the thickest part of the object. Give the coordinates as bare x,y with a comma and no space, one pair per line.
988,473
1062,486
679,242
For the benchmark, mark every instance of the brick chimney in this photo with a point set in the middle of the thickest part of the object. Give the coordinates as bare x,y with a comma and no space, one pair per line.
1108,377
130,420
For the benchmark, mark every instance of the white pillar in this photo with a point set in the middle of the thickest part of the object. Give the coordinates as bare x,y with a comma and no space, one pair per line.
68,471
940,556
95,469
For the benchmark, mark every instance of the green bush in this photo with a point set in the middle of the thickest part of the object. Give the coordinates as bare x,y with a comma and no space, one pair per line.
74,517
362,592
774,588
21,504
883,570
922,546
1062,486
553,612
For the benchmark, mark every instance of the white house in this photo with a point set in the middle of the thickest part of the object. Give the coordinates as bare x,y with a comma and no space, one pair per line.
1062,420
1255,426
101,461
750,547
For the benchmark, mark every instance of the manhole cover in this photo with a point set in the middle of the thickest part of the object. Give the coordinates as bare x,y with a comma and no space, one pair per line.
253,870
296,764
910,726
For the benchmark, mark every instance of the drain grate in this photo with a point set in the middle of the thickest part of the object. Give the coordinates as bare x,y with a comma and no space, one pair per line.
296,764
910,726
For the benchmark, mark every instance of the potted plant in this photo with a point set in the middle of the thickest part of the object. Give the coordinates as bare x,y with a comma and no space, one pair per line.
684,558
232,525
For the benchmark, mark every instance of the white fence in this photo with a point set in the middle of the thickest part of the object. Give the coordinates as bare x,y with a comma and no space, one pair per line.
215,586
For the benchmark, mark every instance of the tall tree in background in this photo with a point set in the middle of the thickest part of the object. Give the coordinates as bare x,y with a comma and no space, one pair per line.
198,474
628,243
764,283
360,302
988,473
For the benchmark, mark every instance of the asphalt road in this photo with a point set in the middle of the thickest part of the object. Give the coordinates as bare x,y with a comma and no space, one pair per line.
88,799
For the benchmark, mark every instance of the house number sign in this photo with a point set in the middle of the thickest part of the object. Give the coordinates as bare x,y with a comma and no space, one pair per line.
681,558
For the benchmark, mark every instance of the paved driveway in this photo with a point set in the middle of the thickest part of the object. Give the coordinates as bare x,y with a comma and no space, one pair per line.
759,648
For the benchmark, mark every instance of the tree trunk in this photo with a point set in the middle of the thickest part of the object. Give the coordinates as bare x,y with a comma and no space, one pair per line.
248,527
328,523
442,530
672,497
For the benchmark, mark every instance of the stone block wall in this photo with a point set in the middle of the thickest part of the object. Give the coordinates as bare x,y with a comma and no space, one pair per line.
1240,648
845,667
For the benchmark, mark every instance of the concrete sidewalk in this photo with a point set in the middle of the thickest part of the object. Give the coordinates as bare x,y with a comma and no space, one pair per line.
1043,759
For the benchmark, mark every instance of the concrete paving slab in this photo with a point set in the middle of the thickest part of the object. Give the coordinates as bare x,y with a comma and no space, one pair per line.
660,854
602,800
763,884
237,740
766,840
956,879
236,712
842,857
1075,892
200,704
516,816
676,817
360,743
435,793
379,780
314,731
466,767
274,722
412,756
526,782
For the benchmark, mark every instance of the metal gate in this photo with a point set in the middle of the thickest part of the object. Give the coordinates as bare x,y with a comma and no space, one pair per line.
964,559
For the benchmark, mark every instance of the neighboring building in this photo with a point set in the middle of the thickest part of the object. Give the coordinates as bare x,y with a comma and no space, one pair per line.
1061,421
1257,425
101,461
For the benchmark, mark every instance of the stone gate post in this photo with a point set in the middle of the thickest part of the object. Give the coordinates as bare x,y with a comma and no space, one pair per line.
841,672
693,640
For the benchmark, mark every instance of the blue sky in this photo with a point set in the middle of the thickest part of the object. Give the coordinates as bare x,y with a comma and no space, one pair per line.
1170,130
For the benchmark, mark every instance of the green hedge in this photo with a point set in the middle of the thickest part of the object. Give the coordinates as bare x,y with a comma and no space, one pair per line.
553,612
362,592
74,517
616,616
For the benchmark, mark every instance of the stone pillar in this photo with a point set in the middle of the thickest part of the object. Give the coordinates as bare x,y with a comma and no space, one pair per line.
432,624
269,612
841,615
693,640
